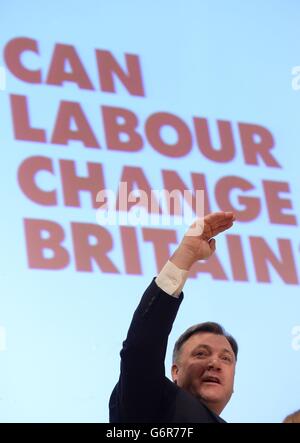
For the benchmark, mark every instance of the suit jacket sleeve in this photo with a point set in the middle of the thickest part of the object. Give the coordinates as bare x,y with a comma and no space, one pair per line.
139,392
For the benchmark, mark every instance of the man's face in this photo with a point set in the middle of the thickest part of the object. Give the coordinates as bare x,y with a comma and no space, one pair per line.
206,369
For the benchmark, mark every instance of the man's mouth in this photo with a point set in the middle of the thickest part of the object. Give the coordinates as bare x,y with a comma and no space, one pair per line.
211,379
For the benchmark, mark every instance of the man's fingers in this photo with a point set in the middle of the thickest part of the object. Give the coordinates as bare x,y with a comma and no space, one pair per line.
211,225
216,223
212,221
218,217
221,228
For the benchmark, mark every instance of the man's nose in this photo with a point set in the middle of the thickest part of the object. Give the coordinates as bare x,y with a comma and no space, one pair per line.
214,364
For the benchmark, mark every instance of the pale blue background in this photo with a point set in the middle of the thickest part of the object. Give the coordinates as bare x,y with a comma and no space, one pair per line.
220,60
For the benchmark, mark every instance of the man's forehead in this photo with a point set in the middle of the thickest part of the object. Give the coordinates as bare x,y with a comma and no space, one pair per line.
208,339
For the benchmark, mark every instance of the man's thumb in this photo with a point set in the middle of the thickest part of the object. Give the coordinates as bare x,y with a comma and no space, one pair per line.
212,244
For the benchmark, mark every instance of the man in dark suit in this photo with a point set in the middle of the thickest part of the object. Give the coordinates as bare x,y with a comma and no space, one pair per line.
204,357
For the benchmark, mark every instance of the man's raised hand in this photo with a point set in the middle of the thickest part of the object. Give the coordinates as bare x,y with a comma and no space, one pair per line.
198,243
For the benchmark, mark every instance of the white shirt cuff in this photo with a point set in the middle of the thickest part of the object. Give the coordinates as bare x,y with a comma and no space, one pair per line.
171,279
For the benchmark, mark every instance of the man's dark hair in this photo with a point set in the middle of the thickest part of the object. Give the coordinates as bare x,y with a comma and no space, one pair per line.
208,326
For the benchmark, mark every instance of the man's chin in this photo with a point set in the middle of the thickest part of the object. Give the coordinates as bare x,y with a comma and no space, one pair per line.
210,393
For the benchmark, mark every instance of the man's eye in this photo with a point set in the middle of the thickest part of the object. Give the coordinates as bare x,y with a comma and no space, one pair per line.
227,358
201,354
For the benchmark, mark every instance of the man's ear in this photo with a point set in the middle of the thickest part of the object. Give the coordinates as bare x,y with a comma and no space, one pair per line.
174,372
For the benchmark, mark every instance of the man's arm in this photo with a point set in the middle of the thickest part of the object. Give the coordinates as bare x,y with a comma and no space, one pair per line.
142,375
140,388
